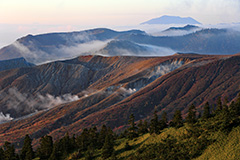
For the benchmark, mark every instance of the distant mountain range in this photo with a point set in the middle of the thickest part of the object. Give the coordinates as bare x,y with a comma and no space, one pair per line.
172,20
45,48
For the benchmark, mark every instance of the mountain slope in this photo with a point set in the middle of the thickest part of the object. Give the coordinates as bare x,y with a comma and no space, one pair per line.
118,87
14,63
74,76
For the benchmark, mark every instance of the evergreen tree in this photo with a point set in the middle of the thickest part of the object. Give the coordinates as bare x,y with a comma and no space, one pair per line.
132,130
163,121
83,140
89,153
65,145
102,136
73,142
225,106
46,147
108,149
154,124
93,137
177,120
9,151
27,151
219,105
191,117
142,127
145,125
56,152
234,108
127,146
114,156
206,111
1,154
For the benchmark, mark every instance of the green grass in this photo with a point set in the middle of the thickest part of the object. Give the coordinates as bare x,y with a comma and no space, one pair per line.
225,147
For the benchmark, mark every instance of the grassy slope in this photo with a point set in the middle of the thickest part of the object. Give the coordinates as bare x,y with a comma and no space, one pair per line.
225,146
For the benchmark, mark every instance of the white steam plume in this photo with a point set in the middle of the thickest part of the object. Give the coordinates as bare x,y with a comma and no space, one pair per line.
128,91
163,69
30,104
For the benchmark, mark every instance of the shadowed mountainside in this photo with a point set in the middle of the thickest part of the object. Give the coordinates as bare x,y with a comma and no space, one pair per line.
14,63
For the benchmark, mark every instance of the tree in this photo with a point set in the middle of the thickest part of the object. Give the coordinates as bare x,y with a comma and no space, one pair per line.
127,146
56,152
108,149
163,121
206,111
9,151
142,127
234,108
154,124
102,136
132,130
93,137
89,153
191,117
177,120
46,147
219,105
27,151
1,154
83,140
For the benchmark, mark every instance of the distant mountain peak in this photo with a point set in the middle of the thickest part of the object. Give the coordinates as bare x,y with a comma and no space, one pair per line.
172,20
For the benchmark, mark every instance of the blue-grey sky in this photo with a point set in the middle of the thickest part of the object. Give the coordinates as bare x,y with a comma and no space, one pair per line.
18,17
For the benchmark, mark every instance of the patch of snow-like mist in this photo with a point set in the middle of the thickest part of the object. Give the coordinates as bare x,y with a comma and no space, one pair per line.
163,69
5,118
175,32
128,91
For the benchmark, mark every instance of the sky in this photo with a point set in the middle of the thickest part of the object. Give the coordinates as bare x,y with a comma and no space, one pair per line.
21,17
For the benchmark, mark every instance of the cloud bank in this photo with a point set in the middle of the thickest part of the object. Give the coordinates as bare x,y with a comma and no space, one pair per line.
37,56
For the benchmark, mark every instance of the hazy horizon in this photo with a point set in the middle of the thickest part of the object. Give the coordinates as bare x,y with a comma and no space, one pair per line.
19,18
